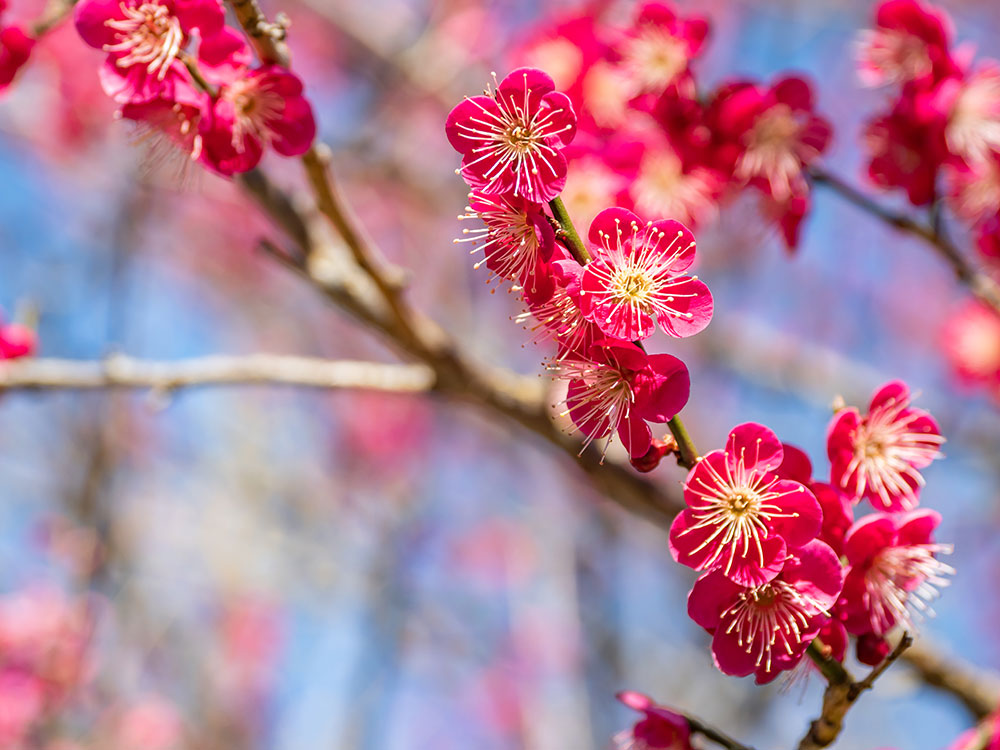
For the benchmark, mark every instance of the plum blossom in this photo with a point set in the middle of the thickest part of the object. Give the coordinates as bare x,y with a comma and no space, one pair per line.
619,388
766,629
777,130
910,43
971,342
974,188
16,340
558,313
255,109
636,279
972,107
894,571
659,729
742,517
15,49
515,239
144,40
904,152
511,139
878,456
658,49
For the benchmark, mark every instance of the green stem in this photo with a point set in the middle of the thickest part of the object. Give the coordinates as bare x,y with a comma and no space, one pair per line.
688,454
199,79
573,241
832,669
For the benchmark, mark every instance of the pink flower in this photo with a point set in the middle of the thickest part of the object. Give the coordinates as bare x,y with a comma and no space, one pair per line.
985,736
894,572
777,130
656,52
144,38
666,182
255,109
972,107
15,49
558,313
176,118
17,340
619,388
511,140
766,629
742,517
988,238
659,729
905,153
971,342
516,237
910,43
974,188
878,456
636,278
838,511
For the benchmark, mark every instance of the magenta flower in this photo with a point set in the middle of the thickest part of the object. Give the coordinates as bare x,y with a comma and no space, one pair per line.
658,49
659,729
255,109
971,104
512,139
619,388
766,629
777,130
16,341
894,571
910,43
974,187
15,49
905,153
516,238
144,38
637,280
971,342
558,313
878,456
742,517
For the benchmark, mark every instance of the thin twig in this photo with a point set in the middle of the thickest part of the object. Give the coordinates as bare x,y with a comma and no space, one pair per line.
120,371
568,232
841,693
697,726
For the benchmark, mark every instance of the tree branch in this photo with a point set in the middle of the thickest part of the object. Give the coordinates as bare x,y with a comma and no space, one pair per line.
977,689
841,693
709,732
120,371
981,285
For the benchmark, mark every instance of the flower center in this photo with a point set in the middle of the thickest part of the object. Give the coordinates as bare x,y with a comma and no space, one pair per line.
520,138
149,35
973,129
654,58
901,583
256,106
769,617
887,453
774,150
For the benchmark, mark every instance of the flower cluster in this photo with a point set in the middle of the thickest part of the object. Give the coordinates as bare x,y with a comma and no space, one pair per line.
43,658
659,729
652,141
783,559
597,300
176,68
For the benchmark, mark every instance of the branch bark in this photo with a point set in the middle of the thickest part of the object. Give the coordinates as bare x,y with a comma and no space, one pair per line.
120,371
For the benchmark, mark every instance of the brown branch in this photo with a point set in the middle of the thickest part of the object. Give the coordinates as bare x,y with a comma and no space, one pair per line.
841,693
56,11
120,371
268,38
977,689
981,285
707,731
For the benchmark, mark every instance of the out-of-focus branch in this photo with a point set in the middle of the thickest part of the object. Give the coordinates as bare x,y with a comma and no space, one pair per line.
977,689
120,371
981,285
56,11
268,38
841,693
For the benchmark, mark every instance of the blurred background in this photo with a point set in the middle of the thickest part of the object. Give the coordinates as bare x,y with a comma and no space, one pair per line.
265,568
